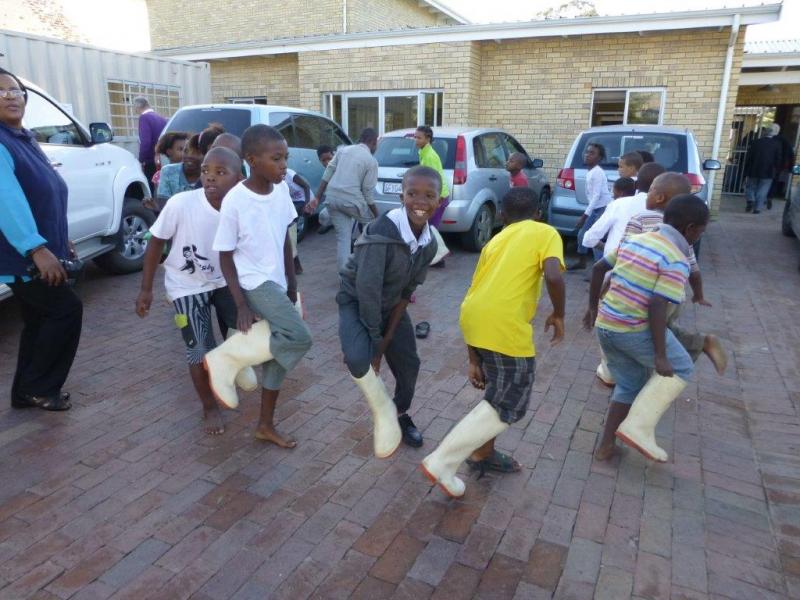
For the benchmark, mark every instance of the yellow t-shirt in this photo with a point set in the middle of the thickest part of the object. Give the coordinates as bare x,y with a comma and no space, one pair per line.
501,302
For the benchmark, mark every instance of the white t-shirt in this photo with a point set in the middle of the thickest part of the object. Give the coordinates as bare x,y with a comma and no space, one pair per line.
254,227
614,221
192,266
597,193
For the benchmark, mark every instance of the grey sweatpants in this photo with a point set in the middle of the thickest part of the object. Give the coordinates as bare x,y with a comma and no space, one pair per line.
401,355
693,342
290,338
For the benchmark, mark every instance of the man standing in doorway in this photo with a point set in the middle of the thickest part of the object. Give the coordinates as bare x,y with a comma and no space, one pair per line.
763,163
349,185
151,124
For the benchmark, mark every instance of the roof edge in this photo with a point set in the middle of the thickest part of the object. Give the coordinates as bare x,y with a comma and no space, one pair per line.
446,10
721,17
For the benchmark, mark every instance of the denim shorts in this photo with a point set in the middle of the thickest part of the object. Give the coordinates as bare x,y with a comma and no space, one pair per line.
631,360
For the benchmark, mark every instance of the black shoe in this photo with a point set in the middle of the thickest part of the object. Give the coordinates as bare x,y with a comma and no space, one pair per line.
438,265
56,402
748,207
576,266
411,435
756,212
769,203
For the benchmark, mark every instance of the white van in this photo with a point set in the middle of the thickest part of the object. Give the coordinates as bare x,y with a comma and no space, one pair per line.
106,219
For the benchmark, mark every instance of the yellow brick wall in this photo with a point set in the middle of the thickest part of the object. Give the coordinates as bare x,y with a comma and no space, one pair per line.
753,95
541,89
377,15
272,76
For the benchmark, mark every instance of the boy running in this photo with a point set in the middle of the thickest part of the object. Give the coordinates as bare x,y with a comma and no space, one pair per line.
496,320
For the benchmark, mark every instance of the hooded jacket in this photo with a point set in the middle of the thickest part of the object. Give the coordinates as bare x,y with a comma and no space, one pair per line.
381,272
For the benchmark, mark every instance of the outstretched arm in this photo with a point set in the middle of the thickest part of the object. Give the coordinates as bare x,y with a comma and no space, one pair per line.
557,292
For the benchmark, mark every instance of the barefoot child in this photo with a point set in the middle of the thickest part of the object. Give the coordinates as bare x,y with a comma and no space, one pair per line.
390,260
192,275
649,273
514,165
256,259
496,320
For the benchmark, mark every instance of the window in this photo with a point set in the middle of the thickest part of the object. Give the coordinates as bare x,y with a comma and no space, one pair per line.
490,152
669,149
247,100
395,151
514,146
282,121
384,111
637,106
164,99
311,132
194,120
49,123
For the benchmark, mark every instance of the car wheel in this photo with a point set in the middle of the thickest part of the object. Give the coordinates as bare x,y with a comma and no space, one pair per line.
130,241
544,205
302,223
786,220
481,231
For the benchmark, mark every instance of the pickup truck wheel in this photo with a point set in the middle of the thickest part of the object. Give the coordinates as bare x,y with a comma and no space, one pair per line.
786,220
481,231
128,253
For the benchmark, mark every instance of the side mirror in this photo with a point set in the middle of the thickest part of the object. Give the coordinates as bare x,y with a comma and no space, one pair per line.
101,133
538,163
711,165
796,170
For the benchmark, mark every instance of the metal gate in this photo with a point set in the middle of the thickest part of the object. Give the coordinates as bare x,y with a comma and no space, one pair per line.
746,127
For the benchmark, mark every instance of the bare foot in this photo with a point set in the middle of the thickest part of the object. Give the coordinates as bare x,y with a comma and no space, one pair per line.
605,451
714,350
214,424
270,435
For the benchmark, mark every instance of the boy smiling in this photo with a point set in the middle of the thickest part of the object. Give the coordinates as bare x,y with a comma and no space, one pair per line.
390,260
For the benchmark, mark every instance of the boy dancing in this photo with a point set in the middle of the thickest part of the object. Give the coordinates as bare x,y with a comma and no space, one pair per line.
389,261
649,273
256,259
496,320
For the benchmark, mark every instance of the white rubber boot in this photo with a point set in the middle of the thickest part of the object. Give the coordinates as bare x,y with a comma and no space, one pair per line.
240,350
480,425
602,372
442,251
638,430
387,434
246,379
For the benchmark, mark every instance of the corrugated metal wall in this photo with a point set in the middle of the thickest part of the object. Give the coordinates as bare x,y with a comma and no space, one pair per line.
77,75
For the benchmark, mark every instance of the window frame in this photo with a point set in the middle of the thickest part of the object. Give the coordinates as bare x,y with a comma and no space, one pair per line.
628,90
83,136
259,100
130,90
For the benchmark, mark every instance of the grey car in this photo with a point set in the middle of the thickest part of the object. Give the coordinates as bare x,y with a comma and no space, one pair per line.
674,148
790,223
474,166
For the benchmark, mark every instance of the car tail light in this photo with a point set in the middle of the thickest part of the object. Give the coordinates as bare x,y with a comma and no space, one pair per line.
460,171
566,179
696,181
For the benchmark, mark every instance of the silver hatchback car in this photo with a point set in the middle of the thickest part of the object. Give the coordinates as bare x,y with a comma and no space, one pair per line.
474,164
673,148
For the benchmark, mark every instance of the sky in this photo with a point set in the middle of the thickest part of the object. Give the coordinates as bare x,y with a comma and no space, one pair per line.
94,17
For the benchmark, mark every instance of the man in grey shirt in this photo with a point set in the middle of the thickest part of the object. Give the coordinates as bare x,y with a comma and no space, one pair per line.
349,184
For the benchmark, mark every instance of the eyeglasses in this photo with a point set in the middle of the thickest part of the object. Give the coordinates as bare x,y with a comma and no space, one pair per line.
12,93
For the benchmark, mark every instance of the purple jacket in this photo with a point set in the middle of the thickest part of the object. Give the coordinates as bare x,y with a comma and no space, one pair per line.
151,124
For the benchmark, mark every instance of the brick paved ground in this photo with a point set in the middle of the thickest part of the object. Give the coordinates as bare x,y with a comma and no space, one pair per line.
125,497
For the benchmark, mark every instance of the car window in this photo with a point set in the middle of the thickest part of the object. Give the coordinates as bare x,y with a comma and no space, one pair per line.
194,120
49,123
492,154
668,149
282,121
514,146
309,131
402,152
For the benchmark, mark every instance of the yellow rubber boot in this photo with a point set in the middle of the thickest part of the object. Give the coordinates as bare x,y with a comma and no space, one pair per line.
246,379
603,373
638,430
240,350
480,425
387,434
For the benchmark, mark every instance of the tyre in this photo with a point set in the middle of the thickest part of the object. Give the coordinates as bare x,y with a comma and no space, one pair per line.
302,223
481,231
786,220
544,205
130,243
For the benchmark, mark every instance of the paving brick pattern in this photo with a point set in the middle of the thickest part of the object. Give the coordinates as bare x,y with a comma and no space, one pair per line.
125,497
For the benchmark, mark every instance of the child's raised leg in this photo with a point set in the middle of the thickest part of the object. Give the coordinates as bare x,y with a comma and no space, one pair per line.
214,424
265,431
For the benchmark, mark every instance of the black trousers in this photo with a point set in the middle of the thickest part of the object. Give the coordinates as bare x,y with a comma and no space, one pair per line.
149,169
401,355
52,319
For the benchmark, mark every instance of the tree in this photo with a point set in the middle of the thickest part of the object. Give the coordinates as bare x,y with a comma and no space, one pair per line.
570,9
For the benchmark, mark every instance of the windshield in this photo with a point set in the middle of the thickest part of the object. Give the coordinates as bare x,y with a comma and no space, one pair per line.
401,152
194,120
668,149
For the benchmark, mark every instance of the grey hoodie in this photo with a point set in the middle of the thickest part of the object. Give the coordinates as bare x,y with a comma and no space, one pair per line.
381,272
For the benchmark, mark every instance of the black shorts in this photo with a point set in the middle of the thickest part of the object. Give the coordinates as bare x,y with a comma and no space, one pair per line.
509,382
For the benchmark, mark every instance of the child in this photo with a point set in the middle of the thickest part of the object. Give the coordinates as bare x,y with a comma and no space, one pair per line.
390,260
325,155
169,149
598,197
256,259
624,187
428,157
180,176
496,320
300,192
649,272
514,165
192,274
629,164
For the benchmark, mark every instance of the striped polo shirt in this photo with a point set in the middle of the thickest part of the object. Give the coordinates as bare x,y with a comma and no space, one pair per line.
650,220
645,265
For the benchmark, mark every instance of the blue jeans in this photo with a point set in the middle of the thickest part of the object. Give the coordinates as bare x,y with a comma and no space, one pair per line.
756,191
631,360
591,220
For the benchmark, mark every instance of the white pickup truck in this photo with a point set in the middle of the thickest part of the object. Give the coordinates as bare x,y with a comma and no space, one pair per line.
107,221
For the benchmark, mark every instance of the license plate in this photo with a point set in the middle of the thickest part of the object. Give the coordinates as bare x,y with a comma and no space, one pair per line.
390,187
